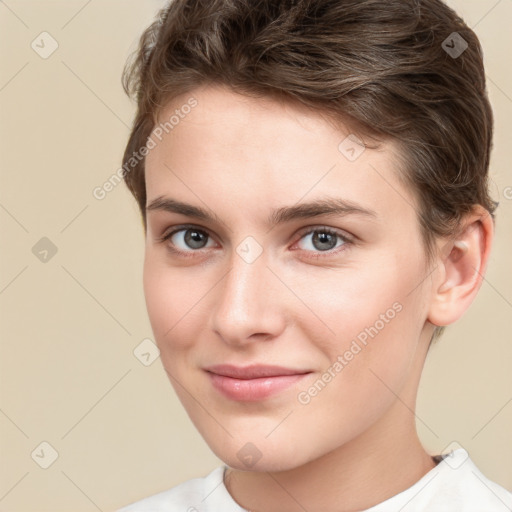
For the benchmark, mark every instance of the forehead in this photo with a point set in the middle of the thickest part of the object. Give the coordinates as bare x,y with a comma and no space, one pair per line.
240,120
267,153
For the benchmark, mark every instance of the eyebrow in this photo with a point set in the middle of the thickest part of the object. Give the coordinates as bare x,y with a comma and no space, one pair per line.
322,206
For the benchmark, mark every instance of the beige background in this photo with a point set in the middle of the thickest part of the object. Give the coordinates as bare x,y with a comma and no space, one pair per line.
69,326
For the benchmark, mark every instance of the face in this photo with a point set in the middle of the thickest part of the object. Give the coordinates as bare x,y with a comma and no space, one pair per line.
334,292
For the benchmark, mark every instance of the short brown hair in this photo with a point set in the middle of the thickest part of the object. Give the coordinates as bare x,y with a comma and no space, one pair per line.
383,68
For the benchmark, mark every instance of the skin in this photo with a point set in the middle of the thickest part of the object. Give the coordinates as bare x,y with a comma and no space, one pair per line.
355,443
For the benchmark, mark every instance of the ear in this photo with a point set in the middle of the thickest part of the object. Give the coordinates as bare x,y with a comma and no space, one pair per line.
461,267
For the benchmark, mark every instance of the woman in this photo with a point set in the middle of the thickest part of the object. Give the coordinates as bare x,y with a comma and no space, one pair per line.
313,191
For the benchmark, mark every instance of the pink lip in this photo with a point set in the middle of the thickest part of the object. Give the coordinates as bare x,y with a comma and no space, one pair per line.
252,383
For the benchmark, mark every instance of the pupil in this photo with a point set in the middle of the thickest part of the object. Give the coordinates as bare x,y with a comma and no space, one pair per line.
324,238
194,238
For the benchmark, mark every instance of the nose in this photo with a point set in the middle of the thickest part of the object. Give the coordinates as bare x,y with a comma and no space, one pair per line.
248,303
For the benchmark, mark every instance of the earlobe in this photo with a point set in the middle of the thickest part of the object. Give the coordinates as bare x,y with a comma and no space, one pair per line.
462,269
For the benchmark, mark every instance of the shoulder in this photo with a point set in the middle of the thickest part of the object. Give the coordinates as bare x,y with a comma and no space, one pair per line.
188,496
455,484
469,489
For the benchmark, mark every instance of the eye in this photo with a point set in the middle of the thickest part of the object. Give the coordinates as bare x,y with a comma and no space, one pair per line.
186,240
323,240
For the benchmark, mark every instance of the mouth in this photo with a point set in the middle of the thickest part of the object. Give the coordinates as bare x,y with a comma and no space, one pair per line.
253,383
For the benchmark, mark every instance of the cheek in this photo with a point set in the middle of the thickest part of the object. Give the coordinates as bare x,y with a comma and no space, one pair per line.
374,325
374,360
169,303
368,363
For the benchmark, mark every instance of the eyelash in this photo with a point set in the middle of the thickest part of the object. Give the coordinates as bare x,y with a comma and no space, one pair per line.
314,229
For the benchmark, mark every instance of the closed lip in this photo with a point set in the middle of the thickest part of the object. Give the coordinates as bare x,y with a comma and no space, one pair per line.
254,371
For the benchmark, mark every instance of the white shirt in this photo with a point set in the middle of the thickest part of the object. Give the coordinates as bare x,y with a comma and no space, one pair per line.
454,485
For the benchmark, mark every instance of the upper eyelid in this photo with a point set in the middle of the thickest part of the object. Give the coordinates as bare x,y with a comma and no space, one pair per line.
176,229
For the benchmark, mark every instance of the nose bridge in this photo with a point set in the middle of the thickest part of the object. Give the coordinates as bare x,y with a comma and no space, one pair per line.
241,291
242,306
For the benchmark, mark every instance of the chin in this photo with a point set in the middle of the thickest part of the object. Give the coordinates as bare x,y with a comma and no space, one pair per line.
272,464
258,455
